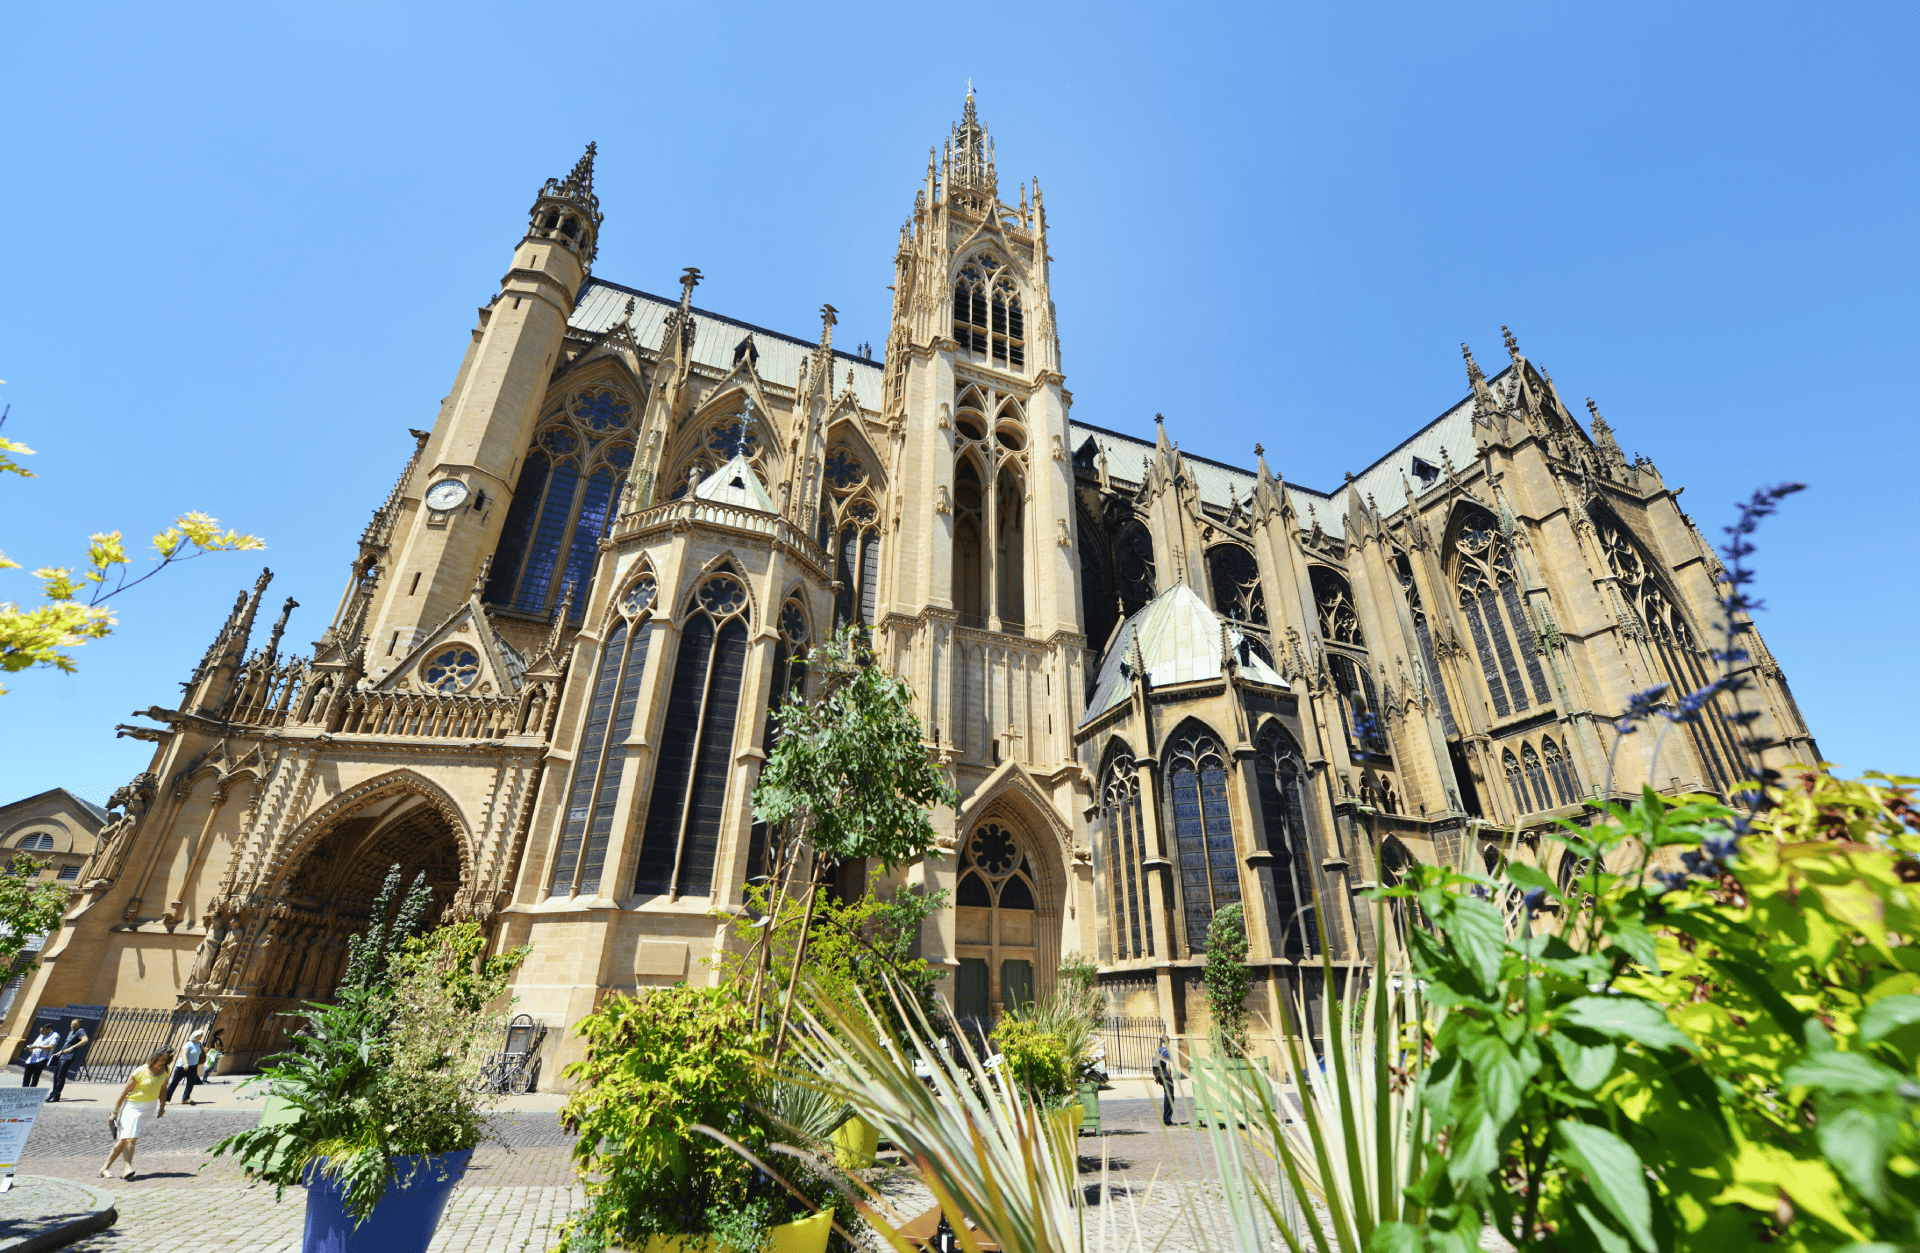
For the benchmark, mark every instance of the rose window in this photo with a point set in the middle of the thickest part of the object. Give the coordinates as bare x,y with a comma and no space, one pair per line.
722,596
639,596
601,411
843,469
993,850
793,624
452,670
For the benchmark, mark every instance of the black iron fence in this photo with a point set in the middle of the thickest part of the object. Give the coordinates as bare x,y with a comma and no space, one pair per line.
1131,1041
121,1039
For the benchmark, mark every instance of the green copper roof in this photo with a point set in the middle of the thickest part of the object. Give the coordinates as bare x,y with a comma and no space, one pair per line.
1179,641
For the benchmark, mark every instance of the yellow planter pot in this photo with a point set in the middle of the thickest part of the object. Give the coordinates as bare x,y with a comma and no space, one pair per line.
1064,1124
854,1143
803,1235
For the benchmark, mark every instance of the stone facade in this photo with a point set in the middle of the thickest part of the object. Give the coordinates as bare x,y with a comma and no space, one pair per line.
1161,684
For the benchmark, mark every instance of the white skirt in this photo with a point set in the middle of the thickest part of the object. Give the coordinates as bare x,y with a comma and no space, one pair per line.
132,1114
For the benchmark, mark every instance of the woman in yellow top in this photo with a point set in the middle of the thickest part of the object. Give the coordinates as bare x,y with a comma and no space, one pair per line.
145,1096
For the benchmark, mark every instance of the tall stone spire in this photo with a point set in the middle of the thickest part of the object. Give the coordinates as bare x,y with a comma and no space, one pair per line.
970,168
567,211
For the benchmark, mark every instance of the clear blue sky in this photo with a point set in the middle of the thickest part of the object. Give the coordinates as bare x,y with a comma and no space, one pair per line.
249,242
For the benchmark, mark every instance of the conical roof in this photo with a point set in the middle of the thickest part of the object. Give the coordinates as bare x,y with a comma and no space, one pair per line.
1179,641
735,483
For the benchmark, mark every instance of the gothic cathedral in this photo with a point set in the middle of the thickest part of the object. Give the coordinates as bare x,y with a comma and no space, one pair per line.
1161,684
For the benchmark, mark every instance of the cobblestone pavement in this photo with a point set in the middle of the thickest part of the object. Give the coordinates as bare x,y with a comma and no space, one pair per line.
34,1204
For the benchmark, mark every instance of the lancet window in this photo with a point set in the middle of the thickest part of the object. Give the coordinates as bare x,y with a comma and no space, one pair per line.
1515,781
1669,636
1280,770
682,835
987,319
563,503
594,792
1131,918
1423,632
1333,598
1203,832
789,676
1566,783
1536,777
1133,562
849,528
989,530
1360,708
1490,601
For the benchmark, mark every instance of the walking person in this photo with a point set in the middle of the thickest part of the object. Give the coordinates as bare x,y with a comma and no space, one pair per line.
144,1097
1163,1075
216,1045
71,1057
38,1054
188,1067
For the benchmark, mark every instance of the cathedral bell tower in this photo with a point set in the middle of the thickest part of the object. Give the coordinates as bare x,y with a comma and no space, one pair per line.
456,500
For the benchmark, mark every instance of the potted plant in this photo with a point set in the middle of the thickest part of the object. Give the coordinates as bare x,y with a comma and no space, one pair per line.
370,1106
1217,1078
673,1094
1076,989
1044,1062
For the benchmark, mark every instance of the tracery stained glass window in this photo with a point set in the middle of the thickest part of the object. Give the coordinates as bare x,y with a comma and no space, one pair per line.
452,670
1366,729
682,836
1566,782
994,872
850,531
1133,556
1333,598
563,504
1516,781
1490,601
789,676
1280,769
1536,777
1423,631
1236,585
1126,850
1715,742
1203,830
594,791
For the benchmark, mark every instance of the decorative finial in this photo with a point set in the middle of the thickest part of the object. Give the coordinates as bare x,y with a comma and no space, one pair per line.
1513,348
746,424
1473,367
480,579
689,279
1259,450
627,314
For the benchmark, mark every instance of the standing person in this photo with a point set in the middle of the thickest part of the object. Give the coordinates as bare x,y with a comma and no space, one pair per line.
216,1045
72,1056
144,1097
38,1054
1163,1075
188,1067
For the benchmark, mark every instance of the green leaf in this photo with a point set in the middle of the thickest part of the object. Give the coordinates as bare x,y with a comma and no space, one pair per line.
1632,936
1587,1065
1889,1013
1614,1172
1520,873
1626,1017
1394,1238
1754,983
1477,1154
1609,1240
1854,1074
1857,1141
1479,936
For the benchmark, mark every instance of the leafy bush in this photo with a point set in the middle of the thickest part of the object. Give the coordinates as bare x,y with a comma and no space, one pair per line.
1040,1062
1228,977
386,1070
664,1071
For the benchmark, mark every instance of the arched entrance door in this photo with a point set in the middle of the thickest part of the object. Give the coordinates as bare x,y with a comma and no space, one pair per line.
1001,921
299,951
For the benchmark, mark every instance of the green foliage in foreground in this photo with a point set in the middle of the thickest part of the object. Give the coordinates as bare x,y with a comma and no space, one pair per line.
1228,978
386,1071
1682,1063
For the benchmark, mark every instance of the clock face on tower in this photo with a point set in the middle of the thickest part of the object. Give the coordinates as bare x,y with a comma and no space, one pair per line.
446,494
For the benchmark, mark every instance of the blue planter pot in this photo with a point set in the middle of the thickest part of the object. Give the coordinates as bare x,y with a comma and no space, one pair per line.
403,1221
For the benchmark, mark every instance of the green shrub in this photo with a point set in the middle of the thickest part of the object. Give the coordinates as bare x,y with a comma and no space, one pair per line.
1039,1061
1228,977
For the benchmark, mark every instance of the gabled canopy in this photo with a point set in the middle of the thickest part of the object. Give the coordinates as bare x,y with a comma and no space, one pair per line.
735,483
1179,640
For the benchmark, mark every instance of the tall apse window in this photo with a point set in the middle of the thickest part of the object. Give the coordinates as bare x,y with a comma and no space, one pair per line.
1279,767
1423,631
1237,593
1203,832
1566,783
1489,593
986,311
789,676
725,437
1133,567
563,503
1126,850
850,529
1664,626
682,836
598,765
1536,776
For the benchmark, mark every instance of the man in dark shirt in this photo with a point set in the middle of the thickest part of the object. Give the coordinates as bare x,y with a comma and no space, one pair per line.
71,1055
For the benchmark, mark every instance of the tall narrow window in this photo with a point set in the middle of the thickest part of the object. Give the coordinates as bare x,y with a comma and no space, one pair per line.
1333,598
789,677
1203,829
1516,782
1366,731
563,504
851,523
1125,851
1536,777
1279,767
1423,631
986,311
1133,562
969,553
1010,549
682,837
1560,769
1504,638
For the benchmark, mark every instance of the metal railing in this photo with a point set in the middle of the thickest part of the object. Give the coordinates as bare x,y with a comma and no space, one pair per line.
1131,1042
126,1038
